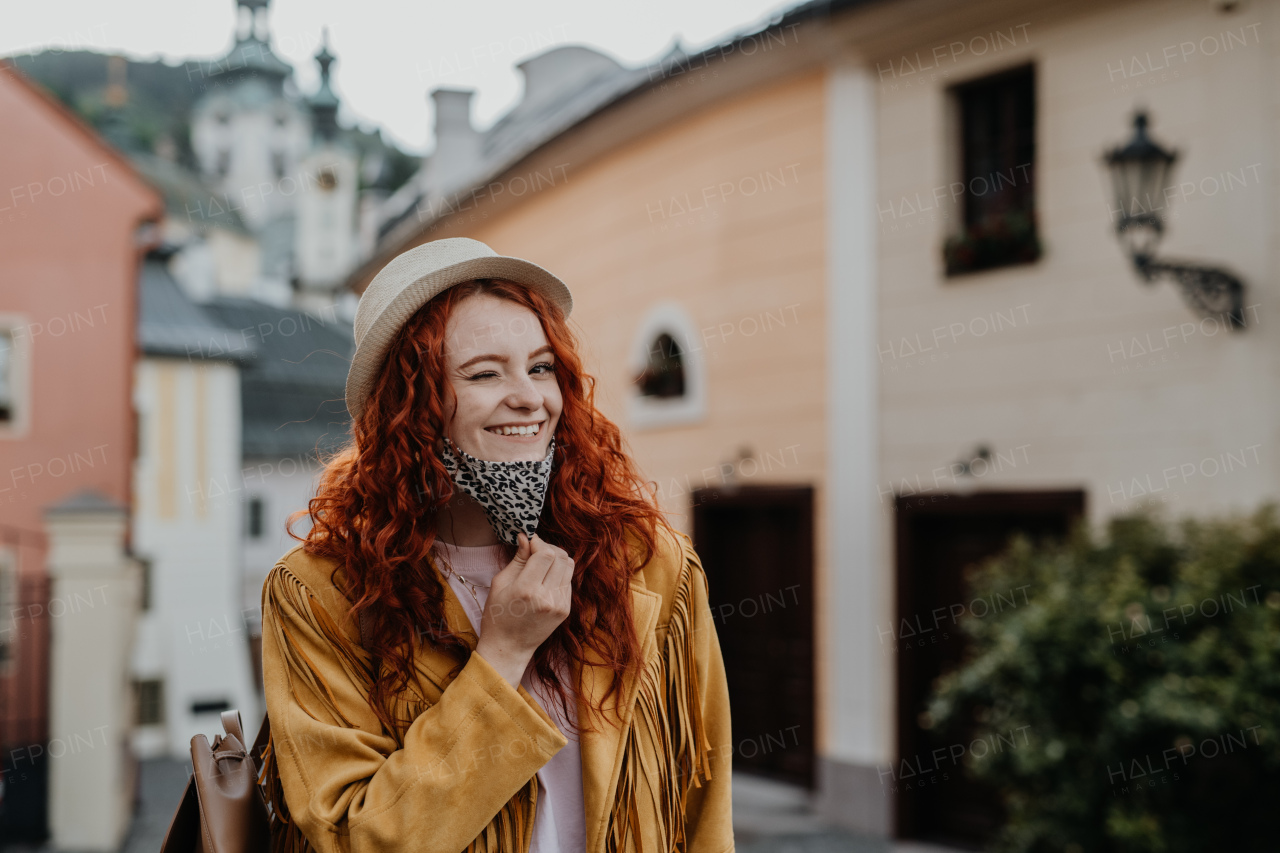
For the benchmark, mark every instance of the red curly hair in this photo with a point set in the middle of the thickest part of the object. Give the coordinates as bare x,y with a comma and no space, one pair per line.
368,513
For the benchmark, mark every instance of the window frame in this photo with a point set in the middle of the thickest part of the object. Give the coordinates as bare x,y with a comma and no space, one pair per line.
138,688
19,425
958,156
255,510
9,594
650,413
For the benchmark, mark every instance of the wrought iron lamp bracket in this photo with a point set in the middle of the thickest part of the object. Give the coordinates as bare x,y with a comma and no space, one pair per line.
1209,291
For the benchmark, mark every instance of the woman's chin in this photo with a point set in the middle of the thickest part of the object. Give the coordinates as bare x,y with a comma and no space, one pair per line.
501,448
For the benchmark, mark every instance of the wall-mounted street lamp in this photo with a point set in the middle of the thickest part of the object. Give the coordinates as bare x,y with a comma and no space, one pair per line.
1139,173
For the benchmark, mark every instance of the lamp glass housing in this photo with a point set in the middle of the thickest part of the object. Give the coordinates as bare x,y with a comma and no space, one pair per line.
1140,171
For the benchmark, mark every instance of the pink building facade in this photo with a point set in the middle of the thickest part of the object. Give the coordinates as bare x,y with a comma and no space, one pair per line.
72,230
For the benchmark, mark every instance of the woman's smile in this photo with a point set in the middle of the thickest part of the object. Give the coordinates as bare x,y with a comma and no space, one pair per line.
525,432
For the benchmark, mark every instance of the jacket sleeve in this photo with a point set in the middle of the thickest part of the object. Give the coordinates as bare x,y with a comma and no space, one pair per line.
709,809
347,785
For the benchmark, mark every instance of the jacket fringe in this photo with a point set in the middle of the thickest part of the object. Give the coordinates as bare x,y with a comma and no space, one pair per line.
666,748
665,753
290,594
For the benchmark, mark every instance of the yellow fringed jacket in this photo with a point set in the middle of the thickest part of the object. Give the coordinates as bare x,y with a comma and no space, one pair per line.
460,777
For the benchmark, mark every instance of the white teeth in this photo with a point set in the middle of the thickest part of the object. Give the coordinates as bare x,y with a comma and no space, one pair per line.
523,430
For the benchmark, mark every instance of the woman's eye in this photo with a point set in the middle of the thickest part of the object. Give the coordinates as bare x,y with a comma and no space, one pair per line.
543,367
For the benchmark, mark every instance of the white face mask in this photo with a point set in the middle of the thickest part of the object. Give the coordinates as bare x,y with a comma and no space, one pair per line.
512,493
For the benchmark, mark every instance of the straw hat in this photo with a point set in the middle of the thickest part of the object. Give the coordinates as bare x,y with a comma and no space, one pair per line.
410,280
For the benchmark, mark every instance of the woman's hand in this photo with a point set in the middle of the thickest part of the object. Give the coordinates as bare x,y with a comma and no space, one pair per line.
526,602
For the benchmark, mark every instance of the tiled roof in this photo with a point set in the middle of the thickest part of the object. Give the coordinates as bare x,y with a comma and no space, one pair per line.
186,196
292,390
170,324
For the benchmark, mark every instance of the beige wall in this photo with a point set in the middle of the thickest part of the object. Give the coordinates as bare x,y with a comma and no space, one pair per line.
1062,388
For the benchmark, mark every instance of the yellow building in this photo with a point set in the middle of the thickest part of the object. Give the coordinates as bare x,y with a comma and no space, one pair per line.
864,263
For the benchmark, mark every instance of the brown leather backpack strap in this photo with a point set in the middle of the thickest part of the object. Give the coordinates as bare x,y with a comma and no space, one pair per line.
231,725
260,744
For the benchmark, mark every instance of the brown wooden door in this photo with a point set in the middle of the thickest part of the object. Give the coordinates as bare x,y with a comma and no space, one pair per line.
937,539
756,544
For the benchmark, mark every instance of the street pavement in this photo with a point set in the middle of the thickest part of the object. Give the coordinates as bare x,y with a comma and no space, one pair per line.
769,817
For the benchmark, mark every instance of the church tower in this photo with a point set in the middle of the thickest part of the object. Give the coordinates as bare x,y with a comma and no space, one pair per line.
326,236
249,129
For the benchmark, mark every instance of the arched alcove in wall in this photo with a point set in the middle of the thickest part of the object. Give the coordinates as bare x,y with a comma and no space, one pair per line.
668,373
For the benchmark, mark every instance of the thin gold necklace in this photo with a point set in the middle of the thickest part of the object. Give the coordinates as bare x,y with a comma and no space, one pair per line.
468,585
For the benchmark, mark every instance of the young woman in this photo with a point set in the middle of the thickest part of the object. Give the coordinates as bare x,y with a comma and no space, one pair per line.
490,639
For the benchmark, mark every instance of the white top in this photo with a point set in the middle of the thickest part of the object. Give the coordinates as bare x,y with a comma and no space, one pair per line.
559,824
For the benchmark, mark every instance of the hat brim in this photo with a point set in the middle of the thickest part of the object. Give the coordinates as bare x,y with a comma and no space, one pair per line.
371,352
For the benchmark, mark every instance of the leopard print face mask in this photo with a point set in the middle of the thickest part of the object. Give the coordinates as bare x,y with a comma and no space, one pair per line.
512,493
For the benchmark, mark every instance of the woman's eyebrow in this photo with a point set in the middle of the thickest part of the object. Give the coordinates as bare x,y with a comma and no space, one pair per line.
500,358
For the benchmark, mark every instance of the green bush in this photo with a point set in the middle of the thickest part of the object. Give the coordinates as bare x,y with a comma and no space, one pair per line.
1147,668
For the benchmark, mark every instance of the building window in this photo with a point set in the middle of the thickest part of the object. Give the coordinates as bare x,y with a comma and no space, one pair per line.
148,580
150,701
256,511
8,607
209,706
139,429
15,363
223,166
278,164
996,120
663,374
668,378
6,376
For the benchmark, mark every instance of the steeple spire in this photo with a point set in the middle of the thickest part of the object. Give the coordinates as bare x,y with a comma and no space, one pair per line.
324,103
251,56
257,19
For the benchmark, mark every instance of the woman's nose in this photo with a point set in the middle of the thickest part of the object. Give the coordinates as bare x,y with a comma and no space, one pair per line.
524,394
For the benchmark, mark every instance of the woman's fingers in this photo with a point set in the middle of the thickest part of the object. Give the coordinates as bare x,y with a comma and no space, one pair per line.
550,587
533,598
560,579
539,564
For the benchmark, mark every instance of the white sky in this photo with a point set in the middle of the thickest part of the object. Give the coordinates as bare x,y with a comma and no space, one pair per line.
390,52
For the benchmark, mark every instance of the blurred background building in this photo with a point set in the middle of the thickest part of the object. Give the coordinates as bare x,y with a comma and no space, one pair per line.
231,344
869,289
245,342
